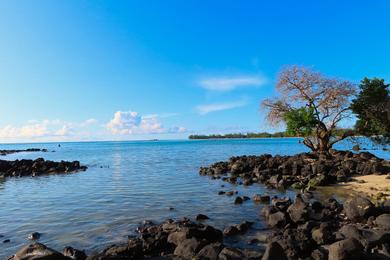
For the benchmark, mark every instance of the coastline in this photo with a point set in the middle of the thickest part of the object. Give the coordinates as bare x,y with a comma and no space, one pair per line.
279,219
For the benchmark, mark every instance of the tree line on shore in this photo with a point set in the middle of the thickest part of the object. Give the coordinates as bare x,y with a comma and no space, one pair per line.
338,132
313,106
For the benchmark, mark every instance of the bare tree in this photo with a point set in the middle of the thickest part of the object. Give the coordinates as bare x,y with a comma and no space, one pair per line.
326,99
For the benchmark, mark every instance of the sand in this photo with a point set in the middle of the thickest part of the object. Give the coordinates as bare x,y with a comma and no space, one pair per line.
373,185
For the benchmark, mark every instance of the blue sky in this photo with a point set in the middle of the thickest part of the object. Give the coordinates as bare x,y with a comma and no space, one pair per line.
113,70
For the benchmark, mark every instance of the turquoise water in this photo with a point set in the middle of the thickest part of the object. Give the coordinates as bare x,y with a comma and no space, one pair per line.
126,183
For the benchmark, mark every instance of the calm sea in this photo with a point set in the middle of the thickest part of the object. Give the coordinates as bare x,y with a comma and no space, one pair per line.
126,183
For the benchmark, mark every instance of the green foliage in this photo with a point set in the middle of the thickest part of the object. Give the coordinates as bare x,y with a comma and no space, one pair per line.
300,121
240,135
338,132
372,109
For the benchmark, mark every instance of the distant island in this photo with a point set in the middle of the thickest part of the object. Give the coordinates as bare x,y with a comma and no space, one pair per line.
338,132
240,135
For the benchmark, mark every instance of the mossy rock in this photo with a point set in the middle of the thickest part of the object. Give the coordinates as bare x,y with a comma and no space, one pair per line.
298,185
317,181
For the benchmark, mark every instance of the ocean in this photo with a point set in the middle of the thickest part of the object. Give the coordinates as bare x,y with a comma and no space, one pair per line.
126,183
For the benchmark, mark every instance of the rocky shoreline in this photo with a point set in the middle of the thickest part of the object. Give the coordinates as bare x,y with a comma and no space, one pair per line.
303,171
300,230
306,228
6,152
37,167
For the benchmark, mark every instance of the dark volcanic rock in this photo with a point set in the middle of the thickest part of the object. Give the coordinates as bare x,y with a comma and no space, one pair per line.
359,208
322,235
300,170
210,252
6,152
274,252
34,236
37,167
238,200
298,211
277,219
201,217
188,248
383,221
231,254
37,251
74,254
346,249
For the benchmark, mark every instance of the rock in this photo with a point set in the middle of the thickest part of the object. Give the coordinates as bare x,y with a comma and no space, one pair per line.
176,237
252,254
34,236
358,208
383,221
277,219
74,253
209,252
244,226
298,210
38,251
201,217
356,148
281,203
268,210
261,198
319,254
231,254
238,200
6,241
188,248
346,249
320,180
322,235
231,231
221,192
274,252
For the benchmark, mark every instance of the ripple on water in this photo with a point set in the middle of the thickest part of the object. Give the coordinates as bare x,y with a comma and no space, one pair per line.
126,182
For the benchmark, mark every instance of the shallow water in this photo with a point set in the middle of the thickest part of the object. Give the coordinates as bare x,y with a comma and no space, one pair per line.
127,182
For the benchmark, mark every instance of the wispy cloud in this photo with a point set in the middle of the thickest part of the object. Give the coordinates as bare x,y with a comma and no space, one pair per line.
223,84
208,108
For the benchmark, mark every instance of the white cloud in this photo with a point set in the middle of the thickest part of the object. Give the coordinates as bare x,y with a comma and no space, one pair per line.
230,83
208,108
130,122
37,129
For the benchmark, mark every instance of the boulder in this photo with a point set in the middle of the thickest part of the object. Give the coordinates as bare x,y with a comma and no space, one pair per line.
231,254
322,235
298,211
359,208
346,249
188,248
74,254
383,221
176,237
277,219
274,252
38,251
231,231
319,254
209,252
201,217
238,200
